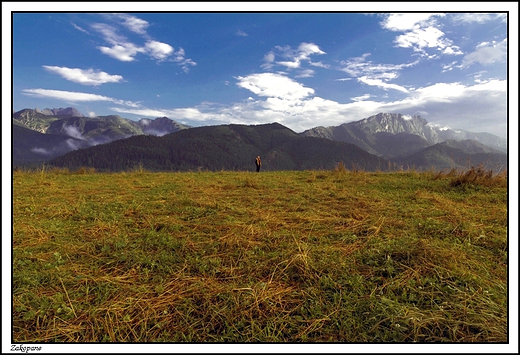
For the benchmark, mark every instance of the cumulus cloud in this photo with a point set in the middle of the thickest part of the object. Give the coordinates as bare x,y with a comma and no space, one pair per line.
430,37
407,21
84,77
134,24
125,50
293,57
421,32
274,85
241,33
122,52
158,50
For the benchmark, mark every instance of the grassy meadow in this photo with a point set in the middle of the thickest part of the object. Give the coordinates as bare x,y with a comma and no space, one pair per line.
287,256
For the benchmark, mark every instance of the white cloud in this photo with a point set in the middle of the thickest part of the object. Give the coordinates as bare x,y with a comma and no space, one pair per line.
430,37
306,73
65,95
241,33
358,66
72,96
179,114
448,67
109,33
361,98
291,65
320,65
80,28
421,32
269,57
373,74
465,18
72,131
124,50
84,77
380,83
121,49
305,50
124,53
274,85
407,21
268,61
134,24
294,56
159,50
487,53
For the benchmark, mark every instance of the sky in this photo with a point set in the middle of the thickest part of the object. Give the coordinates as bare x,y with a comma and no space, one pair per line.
299,69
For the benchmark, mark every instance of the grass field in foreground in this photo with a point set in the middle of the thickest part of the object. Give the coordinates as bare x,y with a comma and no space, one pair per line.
310,256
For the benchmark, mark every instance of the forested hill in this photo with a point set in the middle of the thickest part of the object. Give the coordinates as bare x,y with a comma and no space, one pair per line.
226,147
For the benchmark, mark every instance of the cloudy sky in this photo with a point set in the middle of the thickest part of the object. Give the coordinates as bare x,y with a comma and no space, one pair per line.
299,69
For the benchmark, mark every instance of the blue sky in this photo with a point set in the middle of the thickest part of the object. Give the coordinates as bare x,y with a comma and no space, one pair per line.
299,69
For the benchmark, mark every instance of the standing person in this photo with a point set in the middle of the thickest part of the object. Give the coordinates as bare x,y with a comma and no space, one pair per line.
258,163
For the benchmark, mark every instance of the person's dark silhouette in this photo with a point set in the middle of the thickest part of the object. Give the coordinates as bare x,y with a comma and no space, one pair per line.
258,163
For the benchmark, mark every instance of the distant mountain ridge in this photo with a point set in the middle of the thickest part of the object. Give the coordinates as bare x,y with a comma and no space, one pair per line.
391,135
452,154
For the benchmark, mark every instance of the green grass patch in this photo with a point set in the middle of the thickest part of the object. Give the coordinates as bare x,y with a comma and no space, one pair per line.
308,256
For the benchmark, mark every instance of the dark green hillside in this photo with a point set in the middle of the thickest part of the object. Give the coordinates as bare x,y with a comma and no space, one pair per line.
227,147
305,153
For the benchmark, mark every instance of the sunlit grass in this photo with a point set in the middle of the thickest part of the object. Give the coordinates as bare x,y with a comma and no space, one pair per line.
335,256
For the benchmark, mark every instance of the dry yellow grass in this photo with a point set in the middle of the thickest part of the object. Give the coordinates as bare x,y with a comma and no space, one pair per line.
321,256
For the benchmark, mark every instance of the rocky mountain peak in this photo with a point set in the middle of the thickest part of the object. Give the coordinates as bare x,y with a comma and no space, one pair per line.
68,111
395,123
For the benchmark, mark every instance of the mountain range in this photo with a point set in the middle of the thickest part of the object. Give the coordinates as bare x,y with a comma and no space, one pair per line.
392,135
64,137
71,130
226,147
